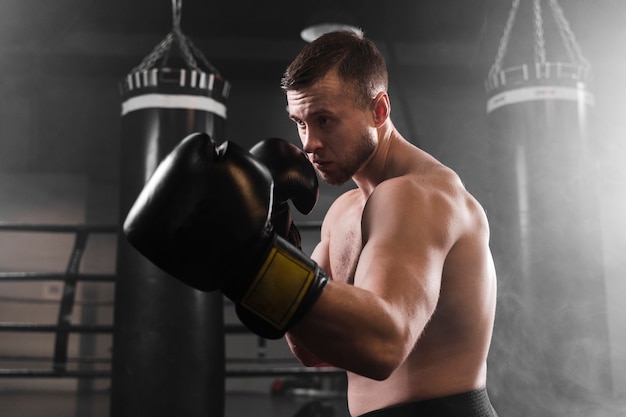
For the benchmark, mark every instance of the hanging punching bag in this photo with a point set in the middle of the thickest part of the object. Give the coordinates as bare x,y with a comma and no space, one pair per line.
551,338
168,341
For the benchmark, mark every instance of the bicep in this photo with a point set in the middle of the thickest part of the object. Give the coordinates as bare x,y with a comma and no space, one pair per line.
321,252
320,256
408,283
403,255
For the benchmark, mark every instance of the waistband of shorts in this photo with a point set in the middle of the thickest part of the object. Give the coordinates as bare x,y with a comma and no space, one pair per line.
474,403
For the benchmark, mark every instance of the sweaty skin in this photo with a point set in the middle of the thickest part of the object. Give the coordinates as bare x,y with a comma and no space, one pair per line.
410,308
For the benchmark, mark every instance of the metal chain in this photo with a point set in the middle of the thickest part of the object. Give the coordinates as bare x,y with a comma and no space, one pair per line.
185,45
540,43
177,11
184,48
202,58
158,51
504,41
181,39
573,49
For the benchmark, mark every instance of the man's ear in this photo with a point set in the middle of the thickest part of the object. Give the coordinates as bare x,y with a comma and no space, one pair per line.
382,108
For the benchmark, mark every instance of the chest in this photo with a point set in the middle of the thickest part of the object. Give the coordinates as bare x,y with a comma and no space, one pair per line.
345,245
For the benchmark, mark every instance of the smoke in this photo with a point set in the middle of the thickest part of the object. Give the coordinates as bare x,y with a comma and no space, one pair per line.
547,360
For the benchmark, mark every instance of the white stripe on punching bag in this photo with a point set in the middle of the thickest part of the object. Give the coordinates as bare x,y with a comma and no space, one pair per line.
545,92
174,101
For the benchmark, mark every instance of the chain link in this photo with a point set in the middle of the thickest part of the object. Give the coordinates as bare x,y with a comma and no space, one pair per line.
202,58
573,49
540,42
504,41
177,12
188,50
158,51
184,48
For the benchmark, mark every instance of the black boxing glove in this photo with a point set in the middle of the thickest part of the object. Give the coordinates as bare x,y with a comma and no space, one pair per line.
294,179
203,217
179,219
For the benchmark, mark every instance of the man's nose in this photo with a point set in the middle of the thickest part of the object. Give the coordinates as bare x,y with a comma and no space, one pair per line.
310,142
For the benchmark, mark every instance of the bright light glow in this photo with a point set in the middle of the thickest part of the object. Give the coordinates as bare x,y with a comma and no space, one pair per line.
309,34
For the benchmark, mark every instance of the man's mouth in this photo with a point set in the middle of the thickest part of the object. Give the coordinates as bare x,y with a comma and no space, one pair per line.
320,164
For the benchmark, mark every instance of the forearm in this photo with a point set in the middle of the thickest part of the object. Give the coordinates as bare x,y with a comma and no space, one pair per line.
302,353
352,329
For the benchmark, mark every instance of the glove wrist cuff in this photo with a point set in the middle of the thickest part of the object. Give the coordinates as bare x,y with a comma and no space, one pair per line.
284,289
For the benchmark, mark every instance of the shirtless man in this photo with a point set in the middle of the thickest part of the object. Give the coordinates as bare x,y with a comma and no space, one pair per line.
401,290
410,309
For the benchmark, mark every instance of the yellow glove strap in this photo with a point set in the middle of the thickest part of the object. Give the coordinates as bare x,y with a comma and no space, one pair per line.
278,288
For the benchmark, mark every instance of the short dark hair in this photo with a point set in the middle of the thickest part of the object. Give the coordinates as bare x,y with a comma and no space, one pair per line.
358,62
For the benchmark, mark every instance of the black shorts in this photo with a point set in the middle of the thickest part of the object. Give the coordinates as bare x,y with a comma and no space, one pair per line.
468,404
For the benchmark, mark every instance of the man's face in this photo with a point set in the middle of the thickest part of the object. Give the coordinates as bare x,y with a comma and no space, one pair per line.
337,136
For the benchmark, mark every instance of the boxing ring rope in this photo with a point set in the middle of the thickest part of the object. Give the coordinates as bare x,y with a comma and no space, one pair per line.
70,279
63,327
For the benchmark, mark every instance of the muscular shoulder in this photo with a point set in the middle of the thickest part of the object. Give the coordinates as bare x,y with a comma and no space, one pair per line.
431,197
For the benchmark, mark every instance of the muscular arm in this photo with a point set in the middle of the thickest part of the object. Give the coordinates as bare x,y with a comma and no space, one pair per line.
370,327
297,346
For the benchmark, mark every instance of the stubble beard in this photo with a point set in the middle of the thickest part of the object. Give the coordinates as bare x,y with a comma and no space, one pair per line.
358,156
